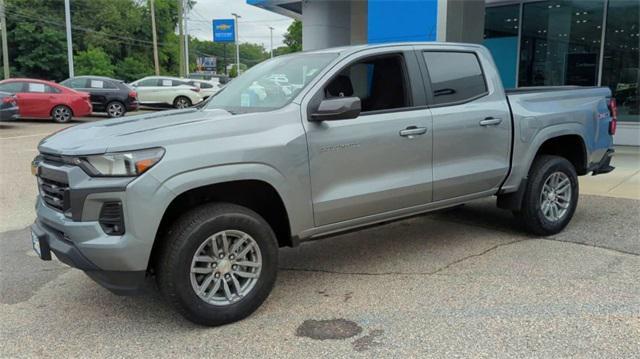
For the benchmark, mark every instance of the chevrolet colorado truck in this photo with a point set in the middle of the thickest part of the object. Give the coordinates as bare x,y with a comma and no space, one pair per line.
202,198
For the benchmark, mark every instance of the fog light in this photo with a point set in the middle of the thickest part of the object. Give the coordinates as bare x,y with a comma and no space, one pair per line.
112,219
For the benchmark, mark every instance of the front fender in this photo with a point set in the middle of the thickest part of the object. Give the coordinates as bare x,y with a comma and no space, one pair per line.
297,208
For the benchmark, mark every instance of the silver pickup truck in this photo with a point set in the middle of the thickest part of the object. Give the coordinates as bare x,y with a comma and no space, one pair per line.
202,198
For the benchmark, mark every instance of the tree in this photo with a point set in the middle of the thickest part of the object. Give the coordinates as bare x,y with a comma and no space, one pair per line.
134,67
293,37
93,61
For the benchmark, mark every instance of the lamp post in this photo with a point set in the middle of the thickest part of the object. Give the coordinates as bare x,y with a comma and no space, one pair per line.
236,17
271,39
67,18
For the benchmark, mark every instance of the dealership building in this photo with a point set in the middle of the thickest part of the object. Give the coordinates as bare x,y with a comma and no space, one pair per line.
533,42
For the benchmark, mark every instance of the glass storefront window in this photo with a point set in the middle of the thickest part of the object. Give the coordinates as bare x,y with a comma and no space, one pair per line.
560,43
501,38
621,63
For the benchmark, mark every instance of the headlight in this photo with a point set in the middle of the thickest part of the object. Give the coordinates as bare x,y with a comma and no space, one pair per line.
123,164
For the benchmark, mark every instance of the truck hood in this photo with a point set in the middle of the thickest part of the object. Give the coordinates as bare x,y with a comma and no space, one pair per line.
131,132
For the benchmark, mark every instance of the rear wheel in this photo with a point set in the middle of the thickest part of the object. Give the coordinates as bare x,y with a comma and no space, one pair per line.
115,109
551,196
181,102
218,263
61,114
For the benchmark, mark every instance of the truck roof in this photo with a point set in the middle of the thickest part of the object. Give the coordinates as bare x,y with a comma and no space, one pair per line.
355,48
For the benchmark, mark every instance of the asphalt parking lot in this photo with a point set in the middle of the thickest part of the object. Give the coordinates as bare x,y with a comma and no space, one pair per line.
465,282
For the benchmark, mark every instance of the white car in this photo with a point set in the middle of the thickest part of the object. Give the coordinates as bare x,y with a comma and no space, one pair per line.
163,91
207,87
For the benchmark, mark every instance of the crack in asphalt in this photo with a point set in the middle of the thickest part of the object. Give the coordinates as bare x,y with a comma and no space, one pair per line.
553,239
434,272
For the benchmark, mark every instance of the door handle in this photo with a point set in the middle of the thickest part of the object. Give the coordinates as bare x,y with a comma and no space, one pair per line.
490,121
413,131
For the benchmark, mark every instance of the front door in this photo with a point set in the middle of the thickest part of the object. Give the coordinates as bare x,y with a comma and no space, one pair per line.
380,161
471,125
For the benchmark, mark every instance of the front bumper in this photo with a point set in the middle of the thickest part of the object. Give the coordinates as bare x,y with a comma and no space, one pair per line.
71,229
52,240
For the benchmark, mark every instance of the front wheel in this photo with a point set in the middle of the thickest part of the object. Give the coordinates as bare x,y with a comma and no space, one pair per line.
181,102
551,196
218,263
61,114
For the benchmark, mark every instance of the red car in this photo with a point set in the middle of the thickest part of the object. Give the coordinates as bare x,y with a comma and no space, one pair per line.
45,99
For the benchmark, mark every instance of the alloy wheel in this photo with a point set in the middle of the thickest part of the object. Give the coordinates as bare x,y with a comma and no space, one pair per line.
226,267
555,198
115,109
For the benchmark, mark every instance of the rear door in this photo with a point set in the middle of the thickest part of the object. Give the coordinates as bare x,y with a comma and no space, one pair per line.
471,124
100,91
379,162
38,100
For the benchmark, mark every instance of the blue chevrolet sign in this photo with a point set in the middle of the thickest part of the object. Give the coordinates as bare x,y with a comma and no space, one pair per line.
224,30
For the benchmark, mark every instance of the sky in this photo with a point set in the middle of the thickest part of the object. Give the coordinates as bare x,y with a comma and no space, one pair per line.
253,26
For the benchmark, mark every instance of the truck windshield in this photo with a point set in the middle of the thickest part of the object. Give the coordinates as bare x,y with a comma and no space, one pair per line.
271,84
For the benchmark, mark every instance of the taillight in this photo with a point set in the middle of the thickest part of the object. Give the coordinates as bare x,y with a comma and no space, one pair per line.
613,110
195,89
133,94
8,99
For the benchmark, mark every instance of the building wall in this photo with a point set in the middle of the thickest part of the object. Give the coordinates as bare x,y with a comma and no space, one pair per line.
402,20
326,24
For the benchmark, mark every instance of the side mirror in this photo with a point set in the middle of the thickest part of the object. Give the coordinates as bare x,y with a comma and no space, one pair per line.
339,108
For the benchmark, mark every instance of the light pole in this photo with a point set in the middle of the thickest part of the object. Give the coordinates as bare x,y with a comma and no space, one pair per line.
186,37
236,17
156,63
5,49
67,16
271,39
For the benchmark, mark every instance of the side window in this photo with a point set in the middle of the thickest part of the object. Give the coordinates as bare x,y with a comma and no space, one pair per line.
178,83
204,85
75,83
50,89
455,76
148,83
34,87
380,82
12,87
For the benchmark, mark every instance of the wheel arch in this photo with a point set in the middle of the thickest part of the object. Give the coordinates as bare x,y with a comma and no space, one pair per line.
253,192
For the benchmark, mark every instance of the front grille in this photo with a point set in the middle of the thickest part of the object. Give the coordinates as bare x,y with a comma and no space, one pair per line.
55,194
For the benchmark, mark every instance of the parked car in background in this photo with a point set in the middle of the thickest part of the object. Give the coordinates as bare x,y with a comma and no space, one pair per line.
8,106
207,87
45,99
107,95
166,91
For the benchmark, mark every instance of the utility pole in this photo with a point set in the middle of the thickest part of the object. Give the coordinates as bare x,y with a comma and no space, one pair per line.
5,48
67,16
236,17
186,36
156,63
271,36
181,35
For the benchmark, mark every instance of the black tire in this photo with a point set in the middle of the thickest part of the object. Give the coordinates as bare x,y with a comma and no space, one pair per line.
531,213
61,114
182,241
115,109
182,102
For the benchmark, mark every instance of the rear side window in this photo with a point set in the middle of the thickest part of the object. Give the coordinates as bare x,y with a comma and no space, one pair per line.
455,77
34,87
